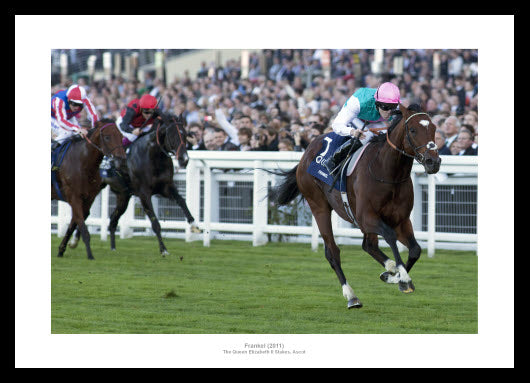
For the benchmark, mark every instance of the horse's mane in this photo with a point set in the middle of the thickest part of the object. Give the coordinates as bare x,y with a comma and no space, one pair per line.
397,117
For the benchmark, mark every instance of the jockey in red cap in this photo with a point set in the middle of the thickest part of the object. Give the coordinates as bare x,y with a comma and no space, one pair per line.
137,117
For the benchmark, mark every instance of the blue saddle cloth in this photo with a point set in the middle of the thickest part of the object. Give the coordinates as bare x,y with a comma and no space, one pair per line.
331,142
57,160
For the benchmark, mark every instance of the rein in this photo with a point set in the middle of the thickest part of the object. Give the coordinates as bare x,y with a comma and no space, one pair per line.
162,146
420,157
417,155
97,147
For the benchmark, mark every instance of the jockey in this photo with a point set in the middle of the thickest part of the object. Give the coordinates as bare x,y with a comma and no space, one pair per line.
137,117
365,106
65,106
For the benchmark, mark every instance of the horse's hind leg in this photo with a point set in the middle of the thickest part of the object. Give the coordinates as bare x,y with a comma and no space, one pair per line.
322,213
148,208
122,201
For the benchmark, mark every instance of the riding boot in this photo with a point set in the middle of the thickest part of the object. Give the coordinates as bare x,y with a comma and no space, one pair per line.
336,158
54,145
111,175
121,175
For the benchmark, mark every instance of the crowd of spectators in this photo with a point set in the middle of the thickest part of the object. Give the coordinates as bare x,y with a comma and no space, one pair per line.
284,105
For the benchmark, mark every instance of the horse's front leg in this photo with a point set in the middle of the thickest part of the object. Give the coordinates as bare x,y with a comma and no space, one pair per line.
396,273
67,235
148,208
79,213
170,191
405,235
122,201
371,246
75,239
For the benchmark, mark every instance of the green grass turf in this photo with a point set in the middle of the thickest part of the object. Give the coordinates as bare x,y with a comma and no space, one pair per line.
232,287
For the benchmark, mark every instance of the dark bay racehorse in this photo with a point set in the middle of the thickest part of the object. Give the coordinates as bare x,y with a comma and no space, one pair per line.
78,175
379,191
149,170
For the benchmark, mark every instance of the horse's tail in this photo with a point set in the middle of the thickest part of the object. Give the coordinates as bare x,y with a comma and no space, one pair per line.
287,189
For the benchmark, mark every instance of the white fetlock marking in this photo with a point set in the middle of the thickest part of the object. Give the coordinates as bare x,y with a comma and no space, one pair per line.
390,266
347,291
393,278
404,276
73,241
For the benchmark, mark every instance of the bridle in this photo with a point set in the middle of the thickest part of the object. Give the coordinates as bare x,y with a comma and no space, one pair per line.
161,145
420,157
101,135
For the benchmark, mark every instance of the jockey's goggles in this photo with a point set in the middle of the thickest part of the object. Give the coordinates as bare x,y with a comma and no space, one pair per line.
73,103
386,107
148,111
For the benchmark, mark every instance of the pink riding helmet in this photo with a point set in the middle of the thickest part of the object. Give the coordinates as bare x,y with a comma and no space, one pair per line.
387,93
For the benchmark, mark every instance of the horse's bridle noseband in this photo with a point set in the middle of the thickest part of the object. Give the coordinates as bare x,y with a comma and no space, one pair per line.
420,157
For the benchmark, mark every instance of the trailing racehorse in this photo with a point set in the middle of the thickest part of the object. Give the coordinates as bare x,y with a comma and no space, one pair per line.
379,192
77,179
149,170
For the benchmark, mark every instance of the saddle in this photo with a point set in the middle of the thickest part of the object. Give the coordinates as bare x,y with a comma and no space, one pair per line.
336,180
331,142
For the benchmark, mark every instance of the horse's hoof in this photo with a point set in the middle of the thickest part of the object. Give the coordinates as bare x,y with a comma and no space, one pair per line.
406,287
354,303
164,253
91,258
59,255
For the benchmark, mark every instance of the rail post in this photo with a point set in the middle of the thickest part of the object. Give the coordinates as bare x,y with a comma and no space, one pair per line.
260,204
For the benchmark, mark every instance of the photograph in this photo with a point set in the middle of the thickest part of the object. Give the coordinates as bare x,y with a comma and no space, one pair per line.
232,206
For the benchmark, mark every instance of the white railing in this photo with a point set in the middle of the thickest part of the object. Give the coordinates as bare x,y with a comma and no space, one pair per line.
211,167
